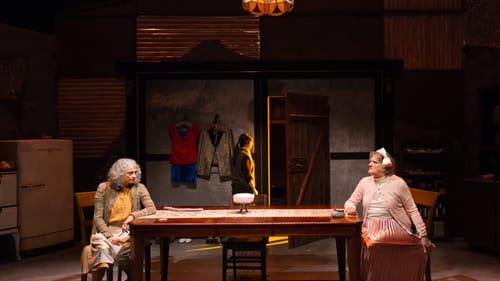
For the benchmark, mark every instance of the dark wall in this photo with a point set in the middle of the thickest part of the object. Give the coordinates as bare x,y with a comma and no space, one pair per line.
482,70
32,113
430,99
337,37
90,47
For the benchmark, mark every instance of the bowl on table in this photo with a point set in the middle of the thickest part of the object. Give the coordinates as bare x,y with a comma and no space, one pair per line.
243,199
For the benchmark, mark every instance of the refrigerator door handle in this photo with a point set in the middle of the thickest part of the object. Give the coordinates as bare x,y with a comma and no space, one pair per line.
33,185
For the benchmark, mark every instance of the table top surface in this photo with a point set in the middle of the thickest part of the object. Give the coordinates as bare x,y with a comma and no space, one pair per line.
256,215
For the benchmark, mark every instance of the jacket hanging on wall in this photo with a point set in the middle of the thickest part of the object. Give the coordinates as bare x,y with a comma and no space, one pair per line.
215,151
183,157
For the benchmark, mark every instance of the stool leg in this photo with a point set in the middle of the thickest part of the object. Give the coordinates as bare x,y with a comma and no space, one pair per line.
263,253
234,265
224,262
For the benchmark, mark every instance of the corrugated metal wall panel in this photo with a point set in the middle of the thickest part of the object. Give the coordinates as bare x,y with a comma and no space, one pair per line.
91,112
169,38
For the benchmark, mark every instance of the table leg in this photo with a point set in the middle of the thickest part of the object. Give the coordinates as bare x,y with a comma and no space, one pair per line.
164,252
340,243
136,256
354,257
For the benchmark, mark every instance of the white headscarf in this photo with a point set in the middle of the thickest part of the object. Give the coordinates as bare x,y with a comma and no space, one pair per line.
386,161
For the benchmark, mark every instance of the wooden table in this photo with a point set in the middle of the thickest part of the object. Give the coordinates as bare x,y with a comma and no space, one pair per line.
261,221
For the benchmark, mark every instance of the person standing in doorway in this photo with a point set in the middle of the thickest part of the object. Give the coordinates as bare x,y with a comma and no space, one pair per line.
243,166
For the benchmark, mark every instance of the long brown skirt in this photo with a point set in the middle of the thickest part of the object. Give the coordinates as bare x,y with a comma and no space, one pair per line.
389,253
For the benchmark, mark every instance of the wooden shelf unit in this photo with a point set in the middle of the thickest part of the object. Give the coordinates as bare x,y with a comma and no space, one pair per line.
427,168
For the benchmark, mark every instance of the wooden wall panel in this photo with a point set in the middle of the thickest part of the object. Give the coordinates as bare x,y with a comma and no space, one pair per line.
170,37
424,41
426,34
91,112
422,4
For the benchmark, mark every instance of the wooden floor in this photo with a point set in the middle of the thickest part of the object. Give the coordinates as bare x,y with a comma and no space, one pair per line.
206,269
209,268
199,261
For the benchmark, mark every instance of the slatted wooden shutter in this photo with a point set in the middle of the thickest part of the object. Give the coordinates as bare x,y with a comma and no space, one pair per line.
169,38
91,112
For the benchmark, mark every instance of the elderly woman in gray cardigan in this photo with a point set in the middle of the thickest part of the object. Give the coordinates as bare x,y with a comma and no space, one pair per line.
118,201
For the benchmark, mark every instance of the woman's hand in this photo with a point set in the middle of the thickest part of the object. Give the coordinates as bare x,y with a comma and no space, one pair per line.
427,243
254,190
126,222
351,211
114,240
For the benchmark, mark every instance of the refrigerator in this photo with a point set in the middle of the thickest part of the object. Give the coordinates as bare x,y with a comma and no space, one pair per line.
45,190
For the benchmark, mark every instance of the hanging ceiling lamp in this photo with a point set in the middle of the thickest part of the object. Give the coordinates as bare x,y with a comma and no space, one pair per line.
267,7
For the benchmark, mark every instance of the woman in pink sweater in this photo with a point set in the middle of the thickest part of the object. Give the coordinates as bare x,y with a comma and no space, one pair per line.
392,250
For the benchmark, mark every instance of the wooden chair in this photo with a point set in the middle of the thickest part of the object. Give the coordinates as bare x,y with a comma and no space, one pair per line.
426,200
85,206
248,253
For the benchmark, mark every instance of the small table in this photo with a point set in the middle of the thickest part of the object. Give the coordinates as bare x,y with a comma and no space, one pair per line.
260,221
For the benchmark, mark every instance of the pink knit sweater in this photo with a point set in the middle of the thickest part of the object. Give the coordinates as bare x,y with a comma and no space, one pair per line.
398,199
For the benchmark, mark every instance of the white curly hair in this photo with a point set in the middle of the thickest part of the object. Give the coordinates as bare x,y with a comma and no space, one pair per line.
117,170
